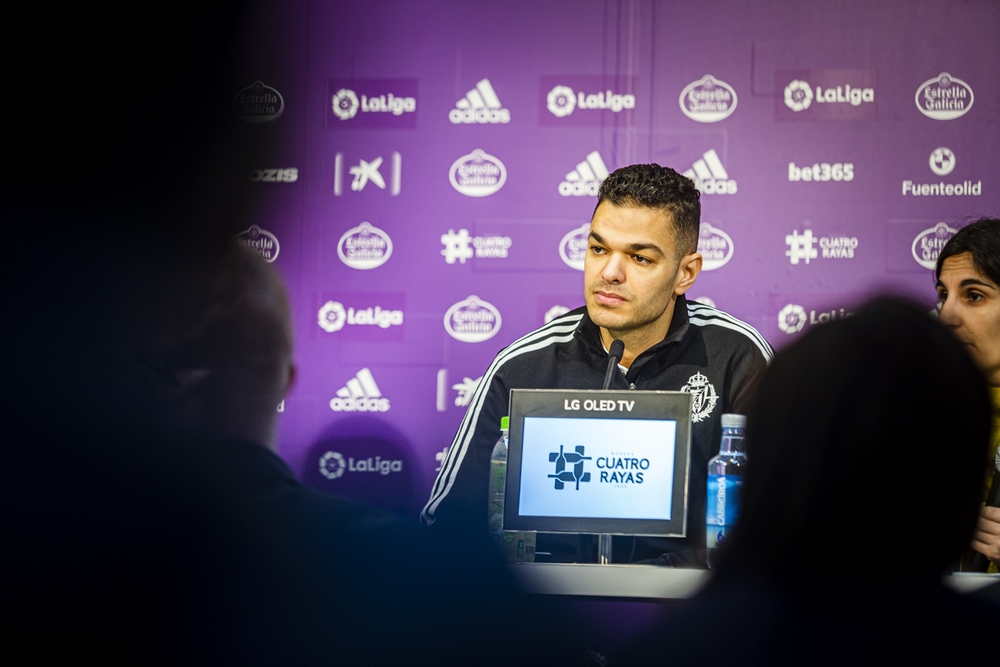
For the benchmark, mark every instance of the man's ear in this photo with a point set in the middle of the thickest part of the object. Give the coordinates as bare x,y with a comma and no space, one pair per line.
687,272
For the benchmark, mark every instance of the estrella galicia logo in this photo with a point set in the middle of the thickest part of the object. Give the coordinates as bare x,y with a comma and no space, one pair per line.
258,103
562,459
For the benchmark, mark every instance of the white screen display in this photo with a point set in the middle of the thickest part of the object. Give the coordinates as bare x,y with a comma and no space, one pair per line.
597,468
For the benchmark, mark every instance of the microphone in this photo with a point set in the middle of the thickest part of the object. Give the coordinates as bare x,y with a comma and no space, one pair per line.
979,562
614,356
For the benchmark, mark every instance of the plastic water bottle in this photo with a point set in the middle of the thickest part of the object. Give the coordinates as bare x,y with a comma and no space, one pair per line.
498,480
725,479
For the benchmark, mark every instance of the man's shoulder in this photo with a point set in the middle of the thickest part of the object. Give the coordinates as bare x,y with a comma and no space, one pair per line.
720,329
543,341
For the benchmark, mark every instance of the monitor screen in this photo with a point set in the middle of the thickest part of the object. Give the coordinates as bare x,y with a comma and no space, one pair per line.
598,462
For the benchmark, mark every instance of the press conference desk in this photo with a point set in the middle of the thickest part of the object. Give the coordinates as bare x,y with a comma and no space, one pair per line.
618,581
652,583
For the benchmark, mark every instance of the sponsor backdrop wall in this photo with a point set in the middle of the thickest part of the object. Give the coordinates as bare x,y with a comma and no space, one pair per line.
439,161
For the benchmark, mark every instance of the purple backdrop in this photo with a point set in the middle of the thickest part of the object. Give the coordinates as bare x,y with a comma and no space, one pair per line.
438,161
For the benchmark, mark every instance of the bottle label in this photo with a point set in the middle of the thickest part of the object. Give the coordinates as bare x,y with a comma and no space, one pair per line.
722,508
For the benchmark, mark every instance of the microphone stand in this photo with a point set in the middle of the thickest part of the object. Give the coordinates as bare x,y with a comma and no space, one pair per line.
615,353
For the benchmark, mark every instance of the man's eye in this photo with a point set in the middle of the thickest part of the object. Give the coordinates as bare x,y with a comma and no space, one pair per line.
597,250
642,260
974,296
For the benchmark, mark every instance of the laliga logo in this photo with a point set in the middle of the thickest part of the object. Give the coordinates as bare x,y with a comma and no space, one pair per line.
715,246
561,101
364,247
792,318
573,247
332,316
472,320
798,95
944,97
345,104
928,244
331,465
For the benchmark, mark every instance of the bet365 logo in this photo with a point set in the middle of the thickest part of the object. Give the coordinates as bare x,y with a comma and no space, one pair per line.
563,459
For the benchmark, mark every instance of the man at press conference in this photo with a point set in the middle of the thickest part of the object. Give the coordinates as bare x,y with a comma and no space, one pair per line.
641,260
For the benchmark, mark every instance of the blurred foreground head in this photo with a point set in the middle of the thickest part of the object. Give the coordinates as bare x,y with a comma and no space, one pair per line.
866,442
219,356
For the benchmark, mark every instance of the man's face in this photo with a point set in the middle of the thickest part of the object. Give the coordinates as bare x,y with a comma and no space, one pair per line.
970,307
631,271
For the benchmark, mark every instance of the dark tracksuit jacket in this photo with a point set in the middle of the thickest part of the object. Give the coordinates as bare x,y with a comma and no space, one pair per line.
706,351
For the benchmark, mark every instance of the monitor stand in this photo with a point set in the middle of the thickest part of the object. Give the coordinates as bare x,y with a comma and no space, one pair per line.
604,549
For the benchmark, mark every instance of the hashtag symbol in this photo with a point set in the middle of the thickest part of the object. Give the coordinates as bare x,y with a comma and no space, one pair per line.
800,247
456,246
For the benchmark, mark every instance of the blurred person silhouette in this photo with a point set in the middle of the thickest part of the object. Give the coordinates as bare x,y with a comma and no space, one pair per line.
968,285
145,519
309,571
865,441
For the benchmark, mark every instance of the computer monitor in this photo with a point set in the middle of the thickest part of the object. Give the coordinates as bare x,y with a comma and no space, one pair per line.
608,462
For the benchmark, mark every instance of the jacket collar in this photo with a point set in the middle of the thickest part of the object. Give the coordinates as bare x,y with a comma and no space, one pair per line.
679,326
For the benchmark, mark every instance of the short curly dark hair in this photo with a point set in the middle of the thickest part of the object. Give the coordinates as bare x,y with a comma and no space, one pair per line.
653,186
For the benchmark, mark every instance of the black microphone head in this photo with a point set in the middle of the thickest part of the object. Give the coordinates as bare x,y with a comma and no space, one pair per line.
617,349
996,461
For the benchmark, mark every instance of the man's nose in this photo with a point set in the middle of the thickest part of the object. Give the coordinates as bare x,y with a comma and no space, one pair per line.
613,271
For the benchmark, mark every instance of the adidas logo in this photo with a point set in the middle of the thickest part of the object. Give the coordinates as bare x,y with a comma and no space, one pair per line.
710,176
480,105
361,394
586,179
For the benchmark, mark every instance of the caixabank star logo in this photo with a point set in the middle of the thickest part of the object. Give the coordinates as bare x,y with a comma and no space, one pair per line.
564,459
